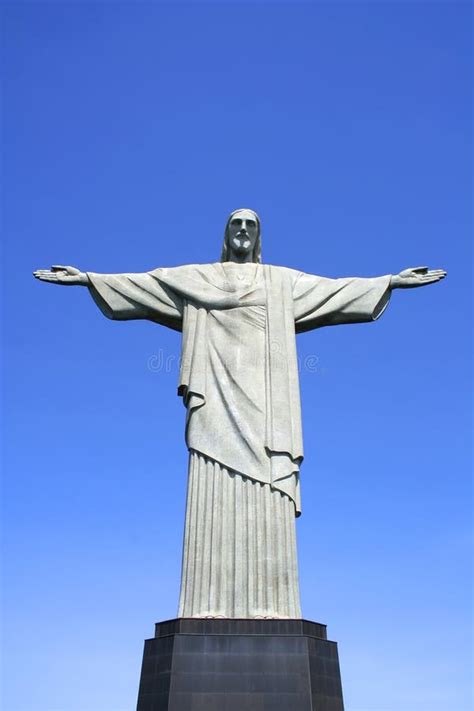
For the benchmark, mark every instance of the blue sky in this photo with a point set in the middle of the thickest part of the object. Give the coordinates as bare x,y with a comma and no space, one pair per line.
131,130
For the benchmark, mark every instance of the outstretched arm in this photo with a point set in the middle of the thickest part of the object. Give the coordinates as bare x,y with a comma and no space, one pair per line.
319,301
124,297
66,276
416,276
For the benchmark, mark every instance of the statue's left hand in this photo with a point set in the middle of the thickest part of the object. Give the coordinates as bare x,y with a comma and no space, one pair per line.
416,276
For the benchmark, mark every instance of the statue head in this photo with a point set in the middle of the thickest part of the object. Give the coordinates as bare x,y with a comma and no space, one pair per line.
242,237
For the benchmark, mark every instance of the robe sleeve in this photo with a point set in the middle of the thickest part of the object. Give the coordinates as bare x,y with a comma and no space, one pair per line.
319,301
125,297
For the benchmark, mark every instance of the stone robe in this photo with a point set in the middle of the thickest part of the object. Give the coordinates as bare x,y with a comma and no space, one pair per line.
239,383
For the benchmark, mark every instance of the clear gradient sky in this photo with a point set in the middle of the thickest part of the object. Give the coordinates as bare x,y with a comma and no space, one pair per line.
131,130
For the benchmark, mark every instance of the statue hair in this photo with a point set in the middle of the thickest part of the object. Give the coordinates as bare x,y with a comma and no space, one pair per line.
257,250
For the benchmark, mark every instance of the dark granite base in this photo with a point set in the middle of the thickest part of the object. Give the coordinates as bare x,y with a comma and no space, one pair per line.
240,665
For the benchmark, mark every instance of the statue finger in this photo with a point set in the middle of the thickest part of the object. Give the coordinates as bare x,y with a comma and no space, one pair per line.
420,270
435,275
58,268
430,280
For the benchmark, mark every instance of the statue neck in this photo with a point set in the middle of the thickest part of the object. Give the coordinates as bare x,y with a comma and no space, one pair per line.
240,258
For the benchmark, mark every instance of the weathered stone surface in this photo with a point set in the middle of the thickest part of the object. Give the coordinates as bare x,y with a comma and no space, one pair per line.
239,383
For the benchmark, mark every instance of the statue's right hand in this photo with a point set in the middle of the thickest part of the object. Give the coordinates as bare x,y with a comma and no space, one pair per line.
67,276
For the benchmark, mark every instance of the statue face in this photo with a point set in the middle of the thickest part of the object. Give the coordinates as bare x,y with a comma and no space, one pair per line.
242,233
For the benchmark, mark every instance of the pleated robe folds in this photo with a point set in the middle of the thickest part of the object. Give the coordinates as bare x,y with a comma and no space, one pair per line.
239,383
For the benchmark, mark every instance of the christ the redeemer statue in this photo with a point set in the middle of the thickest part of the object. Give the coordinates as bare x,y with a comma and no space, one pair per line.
239,383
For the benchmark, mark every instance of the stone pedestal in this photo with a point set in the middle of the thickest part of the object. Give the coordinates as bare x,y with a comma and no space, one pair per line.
240,665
